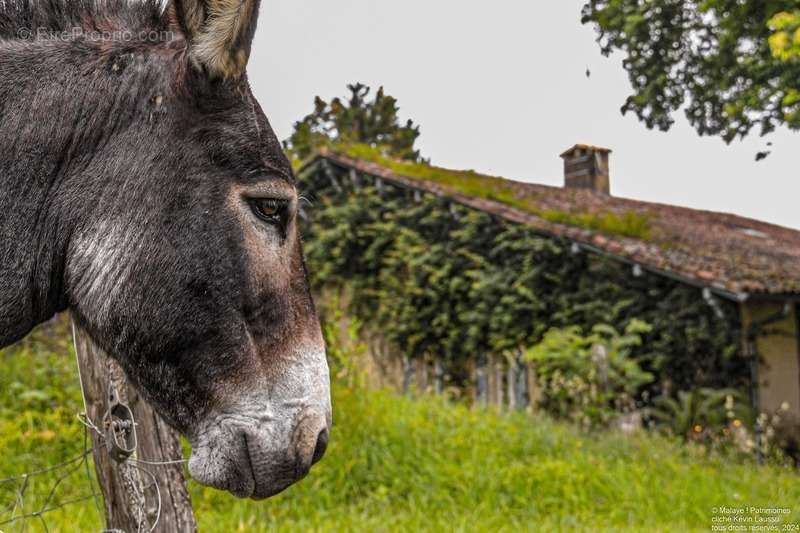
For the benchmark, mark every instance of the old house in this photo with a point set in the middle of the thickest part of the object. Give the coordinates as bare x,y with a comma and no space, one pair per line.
753,264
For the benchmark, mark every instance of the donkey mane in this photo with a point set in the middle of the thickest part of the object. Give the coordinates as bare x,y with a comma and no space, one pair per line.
18,18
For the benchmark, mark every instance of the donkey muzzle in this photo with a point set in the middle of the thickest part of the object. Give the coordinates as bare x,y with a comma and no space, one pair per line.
268,439
258,460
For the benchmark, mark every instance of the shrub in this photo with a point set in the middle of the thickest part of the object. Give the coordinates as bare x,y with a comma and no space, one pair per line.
589,379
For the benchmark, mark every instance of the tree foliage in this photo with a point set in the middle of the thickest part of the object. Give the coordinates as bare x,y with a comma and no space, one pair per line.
356,119
733,64
785,39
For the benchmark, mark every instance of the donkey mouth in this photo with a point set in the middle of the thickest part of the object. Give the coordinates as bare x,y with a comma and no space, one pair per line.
271,477
257,463
278,481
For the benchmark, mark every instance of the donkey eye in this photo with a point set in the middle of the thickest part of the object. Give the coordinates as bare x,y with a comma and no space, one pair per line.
269,209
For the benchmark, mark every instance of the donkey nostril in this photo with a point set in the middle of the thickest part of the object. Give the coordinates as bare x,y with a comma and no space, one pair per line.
322,445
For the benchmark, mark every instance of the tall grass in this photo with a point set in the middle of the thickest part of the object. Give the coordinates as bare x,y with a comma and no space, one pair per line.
396,463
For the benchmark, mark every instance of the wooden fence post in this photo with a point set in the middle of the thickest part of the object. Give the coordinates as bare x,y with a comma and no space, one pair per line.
438,375
421,375
490,383
534,390
138,497
481,382
511,383
497,367
409,374
523,397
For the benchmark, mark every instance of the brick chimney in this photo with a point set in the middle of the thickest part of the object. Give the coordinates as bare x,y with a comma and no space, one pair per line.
586,167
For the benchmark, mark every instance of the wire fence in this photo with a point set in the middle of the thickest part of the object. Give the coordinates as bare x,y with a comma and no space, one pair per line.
51,468
19,514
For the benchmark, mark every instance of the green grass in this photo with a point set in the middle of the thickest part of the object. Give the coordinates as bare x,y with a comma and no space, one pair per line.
401,464
471,183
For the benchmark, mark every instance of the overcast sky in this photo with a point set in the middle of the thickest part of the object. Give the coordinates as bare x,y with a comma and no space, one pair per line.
500,87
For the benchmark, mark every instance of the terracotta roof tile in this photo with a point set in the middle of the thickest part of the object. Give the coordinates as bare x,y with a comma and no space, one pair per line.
728,252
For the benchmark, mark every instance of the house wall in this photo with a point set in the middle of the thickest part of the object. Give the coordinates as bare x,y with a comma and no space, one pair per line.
779,348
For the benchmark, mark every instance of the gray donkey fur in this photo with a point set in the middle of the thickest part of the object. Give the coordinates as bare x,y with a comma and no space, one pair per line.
142,188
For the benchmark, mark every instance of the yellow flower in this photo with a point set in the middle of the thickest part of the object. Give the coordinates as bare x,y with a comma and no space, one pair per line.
737,423
698,428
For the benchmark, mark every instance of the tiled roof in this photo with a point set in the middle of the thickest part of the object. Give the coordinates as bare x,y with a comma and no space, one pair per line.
736,256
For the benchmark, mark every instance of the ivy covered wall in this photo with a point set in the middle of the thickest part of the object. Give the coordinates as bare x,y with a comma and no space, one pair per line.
443,281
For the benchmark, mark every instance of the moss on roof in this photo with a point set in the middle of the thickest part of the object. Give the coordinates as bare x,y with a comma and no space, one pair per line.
471,183
729,252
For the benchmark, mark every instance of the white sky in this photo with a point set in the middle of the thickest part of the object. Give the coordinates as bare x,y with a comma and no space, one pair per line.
500,87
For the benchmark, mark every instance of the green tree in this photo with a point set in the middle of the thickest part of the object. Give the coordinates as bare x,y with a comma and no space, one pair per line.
785,39
356,119
733,64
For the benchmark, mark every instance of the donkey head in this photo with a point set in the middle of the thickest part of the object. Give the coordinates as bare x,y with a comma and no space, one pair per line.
184,260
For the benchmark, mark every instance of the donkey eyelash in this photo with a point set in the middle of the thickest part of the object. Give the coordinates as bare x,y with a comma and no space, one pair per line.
270,210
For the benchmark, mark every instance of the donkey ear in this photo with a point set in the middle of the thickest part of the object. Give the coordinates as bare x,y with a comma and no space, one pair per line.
220,33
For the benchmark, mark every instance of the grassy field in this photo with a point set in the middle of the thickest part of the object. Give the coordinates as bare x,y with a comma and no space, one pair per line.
401,464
